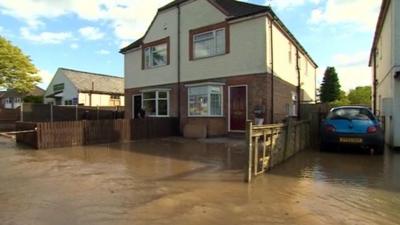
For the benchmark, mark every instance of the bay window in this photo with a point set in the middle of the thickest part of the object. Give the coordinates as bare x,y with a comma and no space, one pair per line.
205,101
156,103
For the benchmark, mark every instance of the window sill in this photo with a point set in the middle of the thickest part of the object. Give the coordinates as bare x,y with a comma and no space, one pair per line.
206,116
208,57
155,67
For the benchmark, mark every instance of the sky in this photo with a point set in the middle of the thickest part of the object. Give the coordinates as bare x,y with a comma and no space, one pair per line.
87,34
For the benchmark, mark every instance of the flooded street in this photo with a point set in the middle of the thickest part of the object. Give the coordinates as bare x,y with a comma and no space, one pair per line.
177,181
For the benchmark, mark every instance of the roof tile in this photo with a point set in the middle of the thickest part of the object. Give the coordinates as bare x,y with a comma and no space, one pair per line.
101,83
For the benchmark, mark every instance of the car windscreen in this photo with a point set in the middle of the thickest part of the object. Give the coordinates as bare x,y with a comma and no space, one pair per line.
350,114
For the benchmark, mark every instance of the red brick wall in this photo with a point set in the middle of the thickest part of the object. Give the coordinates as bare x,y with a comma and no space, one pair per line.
259,86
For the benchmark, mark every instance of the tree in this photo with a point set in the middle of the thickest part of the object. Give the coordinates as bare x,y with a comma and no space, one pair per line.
360,96
16,69
330,87
342,101
33,99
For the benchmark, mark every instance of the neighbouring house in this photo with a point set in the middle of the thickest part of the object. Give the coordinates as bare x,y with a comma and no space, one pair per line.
73,87
210,63
12,99
385,64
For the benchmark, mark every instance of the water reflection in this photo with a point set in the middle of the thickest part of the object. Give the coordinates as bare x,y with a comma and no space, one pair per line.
179,181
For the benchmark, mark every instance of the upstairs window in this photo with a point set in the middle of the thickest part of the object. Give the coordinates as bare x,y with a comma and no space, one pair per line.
156,54
209,44
209,41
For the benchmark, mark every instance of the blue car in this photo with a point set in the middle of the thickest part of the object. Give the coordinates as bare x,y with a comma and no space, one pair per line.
352,125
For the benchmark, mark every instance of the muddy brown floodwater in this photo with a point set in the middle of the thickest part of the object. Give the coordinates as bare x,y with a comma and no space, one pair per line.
177,181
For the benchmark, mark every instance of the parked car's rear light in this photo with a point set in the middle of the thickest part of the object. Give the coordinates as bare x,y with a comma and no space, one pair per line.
372,129
330,129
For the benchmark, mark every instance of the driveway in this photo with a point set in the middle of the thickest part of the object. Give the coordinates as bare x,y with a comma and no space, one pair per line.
178,181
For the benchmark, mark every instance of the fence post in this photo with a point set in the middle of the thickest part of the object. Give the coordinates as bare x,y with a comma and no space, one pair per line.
76,112
51,113
249,145
289,131
21,113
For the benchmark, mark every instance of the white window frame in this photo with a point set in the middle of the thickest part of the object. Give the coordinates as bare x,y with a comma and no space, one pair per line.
209,100
156,99
150,65
214,32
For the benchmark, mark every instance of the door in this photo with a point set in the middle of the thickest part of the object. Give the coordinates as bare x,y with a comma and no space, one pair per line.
238,108
137,105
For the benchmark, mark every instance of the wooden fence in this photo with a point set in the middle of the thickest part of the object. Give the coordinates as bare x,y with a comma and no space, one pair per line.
27,138
8,117
77,133
315,113
153,127
51,113
269,145
9,114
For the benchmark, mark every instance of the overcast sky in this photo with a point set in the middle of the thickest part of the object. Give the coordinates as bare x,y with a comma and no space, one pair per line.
87,34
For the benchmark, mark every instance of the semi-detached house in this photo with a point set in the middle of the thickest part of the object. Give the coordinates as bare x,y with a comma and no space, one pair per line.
210,63
385,64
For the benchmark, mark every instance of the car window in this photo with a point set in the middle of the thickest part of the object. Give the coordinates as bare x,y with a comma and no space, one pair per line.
350,114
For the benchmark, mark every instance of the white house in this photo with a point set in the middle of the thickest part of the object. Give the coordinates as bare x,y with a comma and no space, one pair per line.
72,87
210,62
11,99
385,64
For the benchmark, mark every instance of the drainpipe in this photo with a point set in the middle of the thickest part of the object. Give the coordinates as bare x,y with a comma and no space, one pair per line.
272,69
298,83
179,65
375,82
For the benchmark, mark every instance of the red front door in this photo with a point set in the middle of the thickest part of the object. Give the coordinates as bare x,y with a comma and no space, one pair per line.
238,108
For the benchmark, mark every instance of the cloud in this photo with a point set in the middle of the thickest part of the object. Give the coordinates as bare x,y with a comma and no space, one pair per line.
45,37
74,46
91,33
362,13
103,52
346,60
46,78
352,69
354,76
128,18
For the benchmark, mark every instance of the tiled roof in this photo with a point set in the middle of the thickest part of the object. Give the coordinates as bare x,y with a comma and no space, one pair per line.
37,91
100,83
231,7
134,45
234,10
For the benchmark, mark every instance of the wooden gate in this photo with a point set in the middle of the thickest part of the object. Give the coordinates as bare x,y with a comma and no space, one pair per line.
269,145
